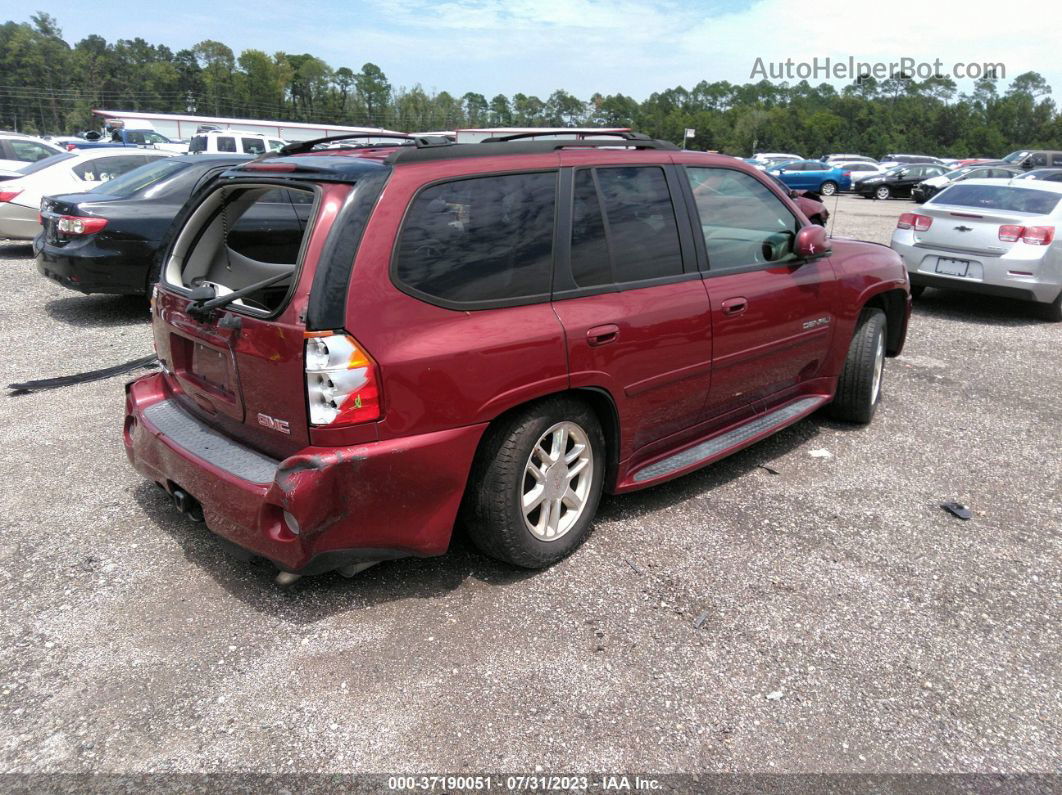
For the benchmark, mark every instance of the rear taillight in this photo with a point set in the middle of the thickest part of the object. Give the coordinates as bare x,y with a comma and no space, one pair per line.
8,195
1038,235
342,381
1033,235
920,223
71,147
74,225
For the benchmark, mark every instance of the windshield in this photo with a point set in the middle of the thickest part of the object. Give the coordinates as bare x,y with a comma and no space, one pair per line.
198,143
40,165
1014,157
993,197
140,179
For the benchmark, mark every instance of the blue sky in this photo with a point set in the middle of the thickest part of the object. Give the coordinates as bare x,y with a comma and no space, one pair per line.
629,46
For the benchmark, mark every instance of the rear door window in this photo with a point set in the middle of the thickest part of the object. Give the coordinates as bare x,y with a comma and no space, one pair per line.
630,219
480,241
226,143
253,146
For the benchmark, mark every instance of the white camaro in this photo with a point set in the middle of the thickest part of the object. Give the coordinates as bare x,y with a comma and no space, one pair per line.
68,172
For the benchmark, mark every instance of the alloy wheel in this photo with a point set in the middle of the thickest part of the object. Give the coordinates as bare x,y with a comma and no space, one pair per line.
557,480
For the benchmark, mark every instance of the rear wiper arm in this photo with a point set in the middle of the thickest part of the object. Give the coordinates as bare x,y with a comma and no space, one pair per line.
202,307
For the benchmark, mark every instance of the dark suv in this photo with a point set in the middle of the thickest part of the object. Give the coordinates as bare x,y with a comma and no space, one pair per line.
493,333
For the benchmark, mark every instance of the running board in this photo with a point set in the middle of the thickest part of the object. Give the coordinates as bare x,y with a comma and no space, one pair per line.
732,440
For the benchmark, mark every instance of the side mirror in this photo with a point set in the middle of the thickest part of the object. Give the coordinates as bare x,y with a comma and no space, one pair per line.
811,241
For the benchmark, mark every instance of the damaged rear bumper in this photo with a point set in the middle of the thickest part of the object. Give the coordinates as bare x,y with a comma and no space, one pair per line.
323,508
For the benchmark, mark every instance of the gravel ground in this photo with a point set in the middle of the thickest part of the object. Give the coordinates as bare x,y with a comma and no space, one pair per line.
830,617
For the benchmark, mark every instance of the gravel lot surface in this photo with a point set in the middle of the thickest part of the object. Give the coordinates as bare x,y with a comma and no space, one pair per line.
830,617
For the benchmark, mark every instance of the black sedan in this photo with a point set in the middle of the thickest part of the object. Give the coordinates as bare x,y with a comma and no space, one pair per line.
107,240
897,181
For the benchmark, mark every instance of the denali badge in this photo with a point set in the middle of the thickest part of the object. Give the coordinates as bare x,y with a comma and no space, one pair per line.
273,423
819,321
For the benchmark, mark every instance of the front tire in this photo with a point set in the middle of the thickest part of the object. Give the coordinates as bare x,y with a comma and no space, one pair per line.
828,188
859,387
882,192
536,484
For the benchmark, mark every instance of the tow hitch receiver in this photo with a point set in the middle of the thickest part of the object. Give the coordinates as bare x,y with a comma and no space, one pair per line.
188,505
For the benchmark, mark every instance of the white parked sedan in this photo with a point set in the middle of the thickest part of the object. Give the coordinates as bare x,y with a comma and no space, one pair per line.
19,151
987,236
859,169
67,172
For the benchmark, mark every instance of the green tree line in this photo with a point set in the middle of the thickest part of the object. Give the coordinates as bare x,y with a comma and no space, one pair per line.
50,86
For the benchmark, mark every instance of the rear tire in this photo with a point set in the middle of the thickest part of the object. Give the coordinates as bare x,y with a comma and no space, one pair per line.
828,188
523,505
882,192
917,290
1053,311
859,387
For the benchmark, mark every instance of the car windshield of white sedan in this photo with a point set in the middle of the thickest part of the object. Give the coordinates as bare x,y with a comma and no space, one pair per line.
48,162
992,197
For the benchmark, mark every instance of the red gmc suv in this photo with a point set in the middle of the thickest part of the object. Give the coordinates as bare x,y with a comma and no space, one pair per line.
490,333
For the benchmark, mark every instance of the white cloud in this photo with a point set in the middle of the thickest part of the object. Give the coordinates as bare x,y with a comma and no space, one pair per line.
636,47
629,46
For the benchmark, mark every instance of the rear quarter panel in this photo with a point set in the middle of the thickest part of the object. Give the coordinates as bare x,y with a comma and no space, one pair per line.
444,368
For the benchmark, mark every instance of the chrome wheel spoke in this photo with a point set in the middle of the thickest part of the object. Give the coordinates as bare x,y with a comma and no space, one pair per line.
554,518
533,498
543,453
560,443
577,467
572,500
536,472
575,453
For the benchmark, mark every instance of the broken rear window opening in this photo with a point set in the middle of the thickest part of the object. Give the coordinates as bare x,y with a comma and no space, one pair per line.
241,235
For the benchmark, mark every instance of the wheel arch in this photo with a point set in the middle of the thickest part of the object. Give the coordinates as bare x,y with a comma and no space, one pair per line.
894,304
599,400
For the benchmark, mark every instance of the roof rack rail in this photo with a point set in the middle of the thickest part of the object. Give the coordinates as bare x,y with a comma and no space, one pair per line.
489,148
627,136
